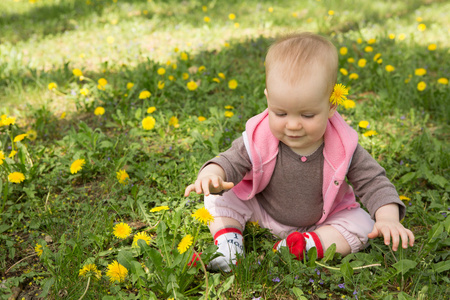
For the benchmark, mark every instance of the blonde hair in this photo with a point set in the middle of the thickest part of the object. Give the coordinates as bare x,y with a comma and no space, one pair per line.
298,54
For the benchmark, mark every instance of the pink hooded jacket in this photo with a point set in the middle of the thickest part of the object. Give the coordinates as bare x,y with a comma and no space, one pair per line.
340,144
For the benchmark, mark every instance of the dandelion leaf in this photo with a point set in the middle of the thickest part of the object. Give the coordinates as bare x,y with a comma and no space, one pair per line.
441,266
329,254
404,265
125,259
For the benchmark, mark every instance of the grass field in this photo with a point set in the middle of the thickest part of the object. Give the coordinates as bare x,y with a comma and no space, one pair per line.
122,101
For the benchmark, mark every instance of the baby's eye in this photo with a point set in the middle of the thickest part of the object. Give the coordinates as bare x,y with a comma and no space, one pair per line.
308,116
280,114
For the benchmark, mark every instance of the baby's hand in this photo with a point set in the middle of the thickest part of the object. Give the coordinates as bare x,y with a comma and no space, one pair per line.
394,229
208,184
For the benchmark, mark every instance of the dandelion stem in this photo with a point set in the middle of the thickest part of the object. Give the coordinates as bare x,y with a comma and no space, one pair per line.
206,274
87,287
20,261
356,268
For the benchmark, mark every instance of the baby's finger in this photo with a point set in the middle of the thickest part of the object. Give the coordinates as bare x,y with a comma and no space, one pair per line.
386,234
198,186
205,186
395,238
227,185
411,237
189,189
215,182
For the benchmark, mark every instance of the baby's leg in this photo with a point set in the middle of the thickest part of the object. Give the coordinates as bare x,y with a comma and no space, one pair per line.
348,229
230,215
329,235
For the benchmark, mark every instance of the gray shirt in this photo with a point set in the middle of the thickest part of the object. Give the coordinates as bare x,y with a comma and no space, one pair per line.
294,194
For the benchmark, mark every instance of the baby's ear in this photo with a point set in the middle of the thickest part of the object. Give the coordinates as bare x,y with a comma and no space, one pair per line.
333,108
265,93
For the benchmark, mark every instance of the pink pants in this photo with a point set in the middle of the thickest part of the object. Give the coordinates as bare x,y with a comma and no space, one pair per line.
354,224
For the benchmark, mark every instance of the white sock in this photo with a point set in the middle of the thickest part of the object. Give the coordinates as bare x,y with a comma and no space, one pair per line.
231,243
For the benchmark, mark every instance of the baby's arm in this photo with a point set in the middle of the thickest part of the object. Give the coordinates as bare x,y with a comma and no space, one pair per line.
387,224
210,180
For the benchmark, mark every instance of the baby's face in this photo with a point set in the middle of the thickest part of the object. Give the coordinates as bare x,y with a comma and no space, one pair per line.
298,113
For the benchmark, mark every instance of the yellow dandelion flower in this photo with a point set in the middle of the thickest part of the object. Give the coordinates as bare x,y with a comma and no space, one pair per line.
201,69
130,85
38,249
9,121
77,166
371,41
16,177
419,19
331,12
343,50
12,153
359,40
203,215
122,230
174,66
370,133
84,91
270,9
185,243
404,198
363,124
2,157
52,86
207,19
99,111
204,8
420,72
161,71
228,114
77,72
215,79
350,60
192,86
421,86
232,84
90,270
201,118
159,208
421,27
338,96
229,107
226,45
221,75
231,16
348,104
63,115
380,61
184,56
19,137
141,236
144,95
148,123
102,82
151,109
443,80
353,76
31,134
377,56
116,272
401,36
173,121
391,36
390,68
432,47
368,49
343,71
122,176
171,77
161,84
362,62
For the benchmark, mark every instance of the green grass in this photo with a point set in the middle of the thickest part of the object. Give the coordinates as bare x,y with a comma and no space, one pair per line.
73,215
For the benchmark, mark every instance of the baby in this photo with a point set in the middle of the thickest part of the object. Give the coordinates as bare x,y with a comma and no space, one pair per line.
288,170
